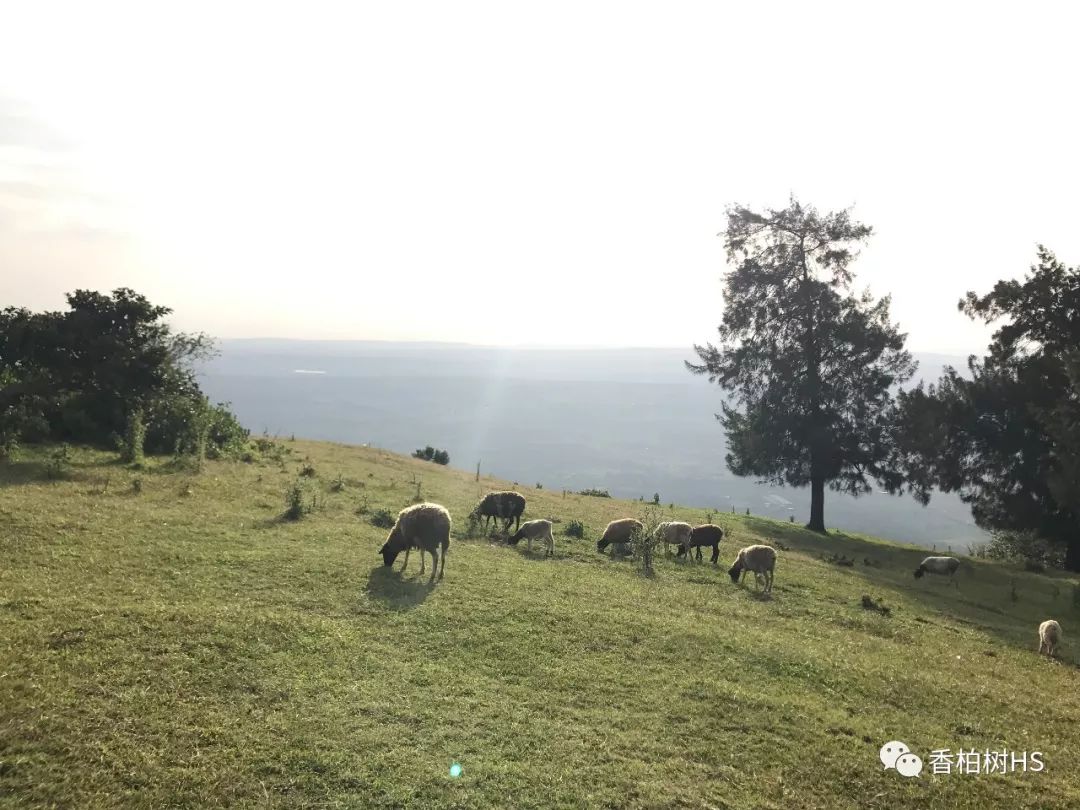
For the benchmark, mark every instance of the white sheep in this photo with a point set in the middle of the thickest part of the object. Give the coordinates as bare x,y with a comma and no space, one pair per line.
938,565
535,530
1049,637
619,531
759,559
425,526
673,533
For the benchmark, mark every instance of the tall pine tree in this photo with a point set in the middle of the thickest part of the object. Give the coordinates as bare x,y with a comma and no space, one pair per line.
808,365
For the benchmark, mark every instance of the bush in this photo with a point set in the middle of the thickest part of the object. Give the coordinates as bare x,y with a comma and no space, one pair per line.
59,464
307,470
595,493
1027,548
338,484
382,519
131,451
575,528
430,453
297,501
643,541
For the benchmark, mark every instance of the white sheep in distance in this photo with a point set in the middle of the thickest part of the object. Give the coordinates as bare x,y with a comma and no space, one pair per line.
619,531
673,533
1049,637
759,559
425,526
938,565
535,530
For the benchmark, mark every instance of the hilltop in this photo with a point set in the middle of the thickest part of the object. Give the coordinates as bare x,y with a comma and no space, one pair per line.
169,640
633,421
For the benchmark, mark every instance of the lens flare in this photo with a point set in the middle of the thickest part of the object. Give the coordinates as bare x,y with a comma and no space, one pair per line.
455,771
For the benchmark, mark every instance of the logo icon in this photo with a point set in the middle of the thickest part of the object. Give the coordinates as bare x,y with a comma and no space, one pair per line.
897,755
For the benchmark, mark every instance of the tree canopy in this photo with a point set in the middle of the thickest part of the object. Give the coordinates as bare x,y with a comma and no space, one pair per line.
809,365
83,373
1008,439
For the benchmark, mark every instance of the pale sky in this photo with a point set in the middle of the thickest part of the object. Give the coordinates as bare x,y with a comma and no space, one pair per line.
502,173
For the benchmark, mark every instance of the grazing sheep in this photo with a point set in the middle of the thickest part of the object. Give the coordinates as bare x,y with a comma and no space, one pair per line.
938,565
706,534
759,559
1049,637
673,533
425,526
538,530
619,531
505,506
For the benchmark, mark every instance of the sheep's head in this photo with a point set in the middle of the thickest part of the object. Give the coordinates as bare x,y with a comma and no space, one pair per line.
919,572
735,570
392,547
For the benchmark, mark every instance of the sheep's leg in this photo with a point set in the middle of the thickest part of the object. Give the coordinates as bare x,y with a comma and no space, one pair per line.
422,560
407,550
715,553
530,544
434,564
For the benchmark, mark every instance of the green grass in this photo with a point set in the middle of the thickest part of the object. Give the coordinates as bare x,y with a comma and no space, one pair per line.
182,646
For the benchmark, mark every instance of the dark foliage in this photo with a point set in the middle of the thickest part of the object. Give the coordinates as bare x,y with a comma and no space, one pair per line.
809,364
108,371
1008,439
430,453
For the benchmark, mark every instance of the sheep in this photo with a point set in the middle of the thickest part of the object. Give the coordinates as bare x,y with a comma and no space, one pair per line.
507,506
425,526
619,531
706,534
673,533
1049,637
538,530
759,559
938,565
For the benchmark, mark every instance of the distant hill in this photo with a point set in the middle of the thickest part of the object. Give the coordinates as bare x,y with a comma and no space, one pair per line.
632,421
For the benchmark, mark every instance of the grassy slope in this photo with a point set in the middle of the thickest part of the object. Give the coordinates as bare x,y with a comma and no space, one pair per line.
170,649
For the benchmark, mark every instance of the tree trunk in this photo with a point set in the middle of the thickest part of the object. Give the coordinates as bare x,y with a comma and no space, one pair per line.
817,505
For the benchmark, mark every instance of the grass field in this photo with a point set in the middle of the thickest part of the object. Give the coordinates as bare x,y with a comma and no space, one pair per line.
174,643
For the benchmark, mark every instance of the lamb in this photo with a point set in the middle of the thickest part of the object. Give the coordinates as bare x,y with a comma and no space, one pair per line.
619,531
938,565
673,533
538,530
706,534
425,526
759,559
1049,637
507,506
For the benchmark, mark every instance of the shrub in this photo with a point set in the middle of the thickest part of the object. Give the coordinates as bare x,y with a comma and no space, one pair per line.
382,519
338,484
643,541
656,498
595,493
1025,547
430,453
297,501
575,528
59,462
307,469
131,451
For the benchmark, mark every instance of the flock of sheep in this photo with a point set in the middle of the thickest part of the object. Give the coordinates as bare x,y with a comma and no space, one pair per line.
426,527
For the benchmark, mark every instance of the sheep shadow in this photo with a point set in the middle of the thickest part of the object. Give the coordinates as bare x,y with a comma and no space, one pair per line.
398,591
